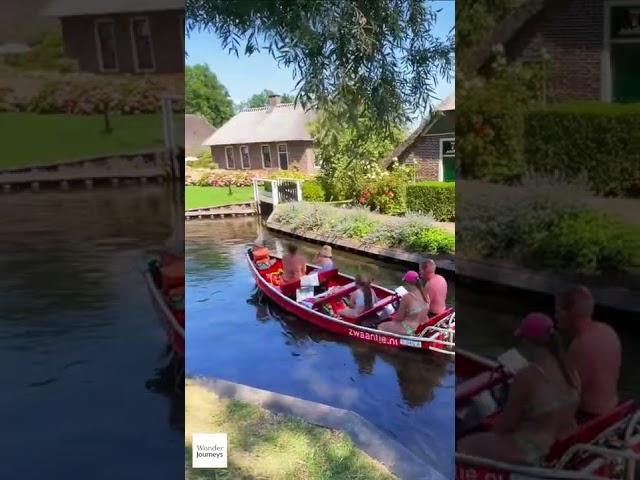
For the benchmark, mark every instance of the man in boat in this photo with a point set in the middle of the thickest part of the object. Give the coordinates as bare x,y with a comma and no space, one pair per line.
595,352
294,264
435,287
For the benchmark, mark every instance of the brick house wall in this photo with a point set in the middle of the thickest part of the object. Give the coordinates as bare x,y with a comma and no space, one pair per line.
572,32
166,37
426,152
300,153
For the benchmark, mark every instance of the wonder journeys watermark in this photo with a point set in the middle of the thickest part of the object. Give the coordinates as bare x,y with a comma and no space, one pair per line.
209,450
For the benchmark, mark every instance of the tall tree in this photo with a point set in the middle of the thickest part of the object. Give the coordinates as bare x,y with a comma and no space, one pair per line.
260,99
206,95
376,55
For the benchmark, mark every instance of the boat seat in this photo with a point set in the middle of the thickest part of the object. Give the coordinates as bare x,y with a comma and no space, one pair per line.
289,289
379,305
433,320
335,295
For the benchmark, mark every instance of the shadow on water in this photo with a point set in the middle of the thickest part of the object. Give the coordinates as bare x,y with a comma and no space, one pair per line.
80,339
236,335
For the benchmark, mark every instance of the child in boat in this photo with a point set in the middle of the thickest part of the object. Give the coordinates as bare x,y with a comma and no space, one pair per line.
324,259
294,264
361,299
543,399
414,307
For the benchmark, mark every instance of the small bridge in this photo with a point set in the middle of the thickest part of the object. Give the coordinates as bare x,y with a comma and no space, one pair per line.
268,193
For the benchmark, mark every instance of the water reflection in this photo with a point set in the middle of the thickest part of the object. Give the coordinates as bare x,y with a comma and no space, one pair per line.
236,335
79,337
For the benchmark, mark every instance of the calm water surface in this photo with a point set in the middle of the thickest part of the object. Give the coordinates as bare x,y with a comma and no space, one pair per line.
80,344
233,335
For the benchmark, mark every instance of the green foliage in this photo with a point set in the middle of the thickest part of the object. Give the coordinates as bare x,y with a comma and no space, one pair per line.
46,55
437,198
601,141
490,127
545,224
350,153
206,95
433,241
312,191
412,233
205,160
588,241
261,99
476,19
380,54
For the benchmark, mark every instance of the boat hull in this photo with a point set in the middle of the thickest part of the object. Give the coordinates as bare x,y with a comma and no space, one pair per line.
169,322
345,328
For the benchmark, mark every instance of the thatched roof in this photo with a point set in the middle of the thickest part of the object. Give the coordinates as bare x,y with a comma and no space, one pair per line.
281,123
68,8
447,105
196,130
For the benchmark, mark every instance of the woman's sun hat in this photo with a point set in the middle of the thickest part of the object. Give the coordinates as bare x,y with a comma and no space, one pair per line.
325,251
536,327
411,277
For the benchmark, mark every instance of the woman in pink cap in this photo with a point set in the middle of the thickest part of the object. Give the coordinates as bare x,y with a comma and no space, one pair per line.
542,403
414,307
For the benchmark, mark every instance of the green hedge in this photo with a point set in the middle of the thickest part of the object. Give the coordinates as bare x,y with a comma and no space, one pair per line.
437,198
312,191
600,140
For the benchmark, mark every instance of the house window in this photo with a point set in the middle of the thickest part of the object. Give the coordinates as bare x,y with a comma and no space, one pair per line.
266,156
228,155
283,156
244,155
106,45
142,45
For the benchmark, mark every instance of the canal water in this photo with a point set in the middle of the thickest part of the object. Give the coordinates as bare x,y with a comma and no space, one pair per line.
235,336
81,349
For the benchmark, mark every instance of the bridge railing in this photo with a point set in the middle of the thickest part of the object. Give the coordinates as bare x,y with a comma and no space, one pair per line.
281,190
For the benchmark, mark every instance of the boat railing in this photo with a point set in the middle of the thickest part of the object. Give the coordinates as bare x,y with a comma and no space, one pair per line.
533,472
615,454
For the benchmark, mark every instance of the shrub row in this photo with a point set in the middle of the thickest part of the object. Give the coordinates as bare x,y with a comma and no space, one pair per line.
414,233
435,198
600,140
88,97
544,226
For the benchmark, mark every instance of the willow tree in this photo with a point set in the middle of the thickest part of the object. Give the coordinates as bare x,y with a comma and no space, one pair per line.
380,56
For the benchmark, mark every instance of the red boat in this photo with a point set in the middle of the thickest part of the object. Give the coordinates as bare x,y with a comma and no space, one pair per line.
165,281
605,447
435,334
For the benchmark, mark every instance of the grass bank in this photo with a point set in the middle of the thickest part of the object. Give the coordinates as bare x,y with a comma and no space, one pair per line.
412,233
31,139
197,197
269,446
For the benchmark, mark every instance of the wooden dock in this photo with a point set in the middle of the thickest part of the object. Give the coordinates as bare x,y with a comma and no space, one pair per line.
222,211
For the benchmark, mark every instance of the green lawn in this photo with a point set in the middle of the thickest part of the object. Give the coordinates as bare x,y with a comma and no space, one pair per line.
196,197
264,445
31,139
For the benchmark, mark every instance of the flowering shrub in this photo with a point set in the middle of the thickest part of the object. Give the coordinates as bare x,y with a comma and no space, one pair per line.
413,233
388,192
89,97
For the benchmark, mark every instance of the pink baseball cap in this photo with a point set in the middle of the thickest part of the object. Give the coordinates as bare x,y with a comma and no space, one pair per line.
536,327
411,277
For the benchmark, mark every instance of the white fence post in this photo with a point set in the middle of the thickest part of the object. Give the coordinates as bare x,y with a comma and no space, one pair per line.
299,190
274,192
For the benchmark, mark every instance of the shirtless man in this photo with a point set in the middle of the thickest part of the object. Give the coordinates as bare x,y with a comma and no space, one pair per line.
435,288
294,264
595,351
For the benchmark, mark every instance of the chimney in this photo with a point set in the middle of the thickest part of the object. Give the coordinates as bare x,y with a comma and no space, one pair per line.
274,100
